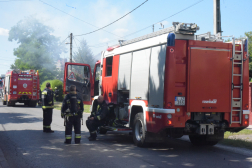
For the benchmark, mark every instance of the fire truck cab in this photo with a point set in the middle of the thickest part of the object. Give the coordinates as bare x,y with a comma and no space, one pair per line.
170,83
21,86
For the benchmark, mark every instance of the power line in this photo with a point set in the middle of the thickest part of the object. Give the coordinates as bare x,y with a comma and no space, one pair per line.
152,24
87,45
8,59
79,48
113,21
64,40
15,0
75,17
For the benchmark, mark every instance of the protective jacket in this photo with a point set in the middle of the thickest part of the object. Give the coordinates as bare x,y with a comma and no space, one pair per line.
72,105
56,93
101,112
47,99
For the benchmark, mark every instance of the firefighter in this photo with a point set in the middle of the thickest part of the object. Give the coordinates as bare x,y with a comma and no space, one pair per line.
47,106
72,110
97,117
56,94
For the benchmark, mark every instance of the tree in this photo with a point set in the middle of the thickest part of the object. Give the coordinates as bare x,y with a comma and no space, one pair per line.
38,48
84,55
249,35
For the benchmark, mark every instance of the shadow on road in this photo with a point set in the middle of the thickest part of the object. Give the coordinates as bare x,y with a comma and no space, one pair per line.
17,118
33,148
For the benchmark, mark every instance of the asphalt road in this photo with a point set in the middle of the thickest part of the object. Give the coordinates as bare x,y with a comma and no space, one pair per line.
25,145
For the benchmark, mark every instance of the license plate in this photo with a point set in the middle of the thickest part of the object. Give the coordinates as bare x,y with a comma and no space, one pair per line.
179,101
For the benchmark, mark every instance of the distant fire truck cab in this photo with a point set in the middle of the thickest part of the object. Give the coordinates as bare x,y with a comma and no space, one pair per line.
21,86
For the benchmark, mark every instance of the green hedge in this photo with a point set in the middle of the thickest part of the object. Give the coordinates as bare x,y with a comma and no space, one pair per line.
54,83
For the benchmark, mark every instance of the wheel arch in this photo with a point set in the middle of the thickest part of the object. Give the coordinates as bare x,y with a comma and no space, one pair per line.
136,107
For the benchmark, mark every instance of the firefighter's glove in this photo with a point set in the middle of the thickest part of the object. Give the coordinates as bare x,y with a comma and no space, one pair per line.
62,115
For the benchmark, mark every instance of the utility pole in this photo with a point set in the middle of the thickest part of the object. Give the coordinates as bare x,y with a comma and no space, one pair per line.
217,17
71,38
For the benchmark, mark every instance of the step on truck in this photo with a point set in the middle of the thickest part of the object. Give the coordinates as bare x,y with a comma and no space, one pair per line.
21,86
170,83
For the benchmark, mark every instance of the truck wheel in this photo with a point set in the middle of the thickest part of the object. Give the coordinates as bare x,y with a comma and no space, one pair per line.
8,103
26,103
139,132
32,103
101,131
4,102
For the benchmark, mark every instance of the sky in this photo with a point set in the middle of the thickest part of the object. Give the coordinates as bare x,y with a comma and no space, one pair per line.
80,17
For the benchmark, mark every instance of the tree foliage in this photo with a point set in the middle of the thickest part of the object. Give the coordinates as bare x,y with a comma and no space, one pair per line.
249,35
54,83
38,49
84,55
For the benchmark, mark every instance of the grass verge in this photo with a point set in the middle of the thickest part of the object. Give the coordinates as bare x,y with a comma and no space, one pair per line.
237,142
242,132
57,105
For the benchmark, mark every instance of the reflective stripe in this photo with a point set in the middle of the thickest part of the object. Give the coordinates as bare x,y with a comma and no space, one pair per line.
77,135
46,126
69,115
44,93
93,132
98,117
47,107
72,92
68,101
79,101
98,107
68,136
50,102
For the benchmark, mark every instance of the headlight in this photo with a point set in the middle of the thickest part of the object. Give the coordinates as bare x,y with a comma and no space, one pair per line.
246,116
14,92
34,93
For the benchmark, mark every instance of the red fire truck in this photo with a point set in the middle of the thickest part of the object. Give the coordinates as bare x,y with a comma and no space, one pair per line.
170,83
1,86
21,86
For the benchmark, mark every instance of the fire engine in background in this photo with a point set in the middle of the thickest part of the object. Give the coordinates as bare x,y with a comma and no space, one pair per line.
1,85
170,83
21,86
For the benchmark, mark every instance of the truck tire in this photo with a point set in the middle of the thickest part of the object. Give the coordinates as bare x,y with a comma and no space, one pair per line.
32,104
8,103
200,140
4,102
139,132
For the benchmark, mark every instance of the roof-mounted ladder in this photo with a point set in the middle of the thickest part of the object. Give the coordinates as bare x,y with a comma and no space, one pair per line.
236,102
177,28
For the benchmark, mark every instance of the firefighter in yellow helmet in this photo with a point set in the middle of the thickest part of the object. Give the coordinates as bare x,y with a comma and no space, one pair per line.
56,94
47,106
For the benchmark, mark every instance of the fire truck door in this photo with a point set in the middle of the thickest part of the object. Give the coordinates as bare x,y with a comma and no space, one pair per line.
79,75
